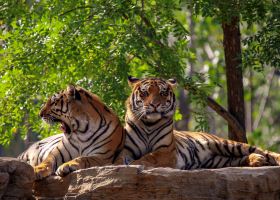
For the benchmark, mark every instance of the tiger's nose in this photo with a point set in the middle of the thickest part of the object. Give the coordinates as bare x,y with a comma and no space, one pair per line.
154,105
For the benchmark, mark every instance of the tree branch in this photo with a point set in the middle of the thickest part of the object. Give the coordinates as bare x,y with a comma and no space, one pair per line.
77,8
227,116
264,99
220,110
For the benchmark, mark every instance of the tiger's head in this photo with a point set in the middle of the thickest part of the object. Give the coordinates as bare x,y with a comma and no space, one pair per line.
151,98
72,108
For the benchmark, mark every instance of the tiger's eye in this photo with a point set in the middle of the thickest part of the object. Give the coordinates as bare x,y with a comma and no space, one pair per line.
143,94
164,93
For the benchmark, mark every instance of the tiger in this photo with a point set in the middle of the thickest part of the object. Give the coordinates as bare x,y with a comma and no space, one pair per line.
151,139
92,134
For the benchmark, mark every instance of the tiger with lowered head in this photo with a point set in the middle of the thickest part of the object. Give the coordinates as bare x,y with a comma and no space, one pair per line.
151,135
93,134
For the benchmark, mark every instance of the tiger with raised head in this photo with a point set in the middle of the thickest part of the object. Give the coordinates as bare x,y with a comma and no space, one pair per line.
93,134
151,135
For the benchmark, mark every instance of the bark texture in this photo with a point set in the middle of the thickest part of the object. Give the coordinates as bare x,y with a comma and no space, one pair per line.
232,50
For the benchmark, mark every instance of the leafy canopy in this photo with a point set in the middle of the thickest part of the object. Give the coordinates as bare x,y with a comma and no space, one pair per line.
47,44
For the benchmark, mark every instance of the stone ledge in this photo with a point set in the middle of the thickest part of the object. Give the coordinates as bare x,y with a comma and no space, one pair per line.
134,182
16,179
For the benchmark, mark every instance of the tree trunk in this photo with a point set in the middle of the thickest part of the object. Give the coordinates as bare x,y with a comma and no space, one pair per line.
184,108
232,49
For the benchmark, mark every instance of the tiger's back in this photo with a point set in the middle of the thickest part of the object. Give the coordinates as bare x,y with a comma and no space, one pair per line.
40,150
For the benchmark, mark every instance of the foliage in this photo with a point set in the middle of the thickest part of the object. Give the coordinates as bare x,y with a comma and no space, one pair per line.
251,11
47,44
263,47
96,44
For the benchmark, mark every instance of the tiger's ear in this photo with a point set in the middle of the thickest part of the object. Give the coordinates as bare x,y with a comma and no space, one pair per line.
132,80
172,82
73,93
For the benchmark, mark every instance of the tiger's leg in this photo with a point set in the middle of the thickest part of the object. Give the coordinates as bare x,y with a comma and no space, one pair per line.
218,161
251,155
162,157
79,163
56,157
46,168
157,159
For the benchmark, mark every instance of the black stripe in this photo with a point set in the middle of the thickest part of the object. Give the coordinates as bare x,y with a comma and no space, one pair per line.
57,140
196,155
85,130
70,156
217,164
131,151
225,164
38,160
160,138
147,123
61,105
183,156
180,144
61,155
133,105
101,145
192,164
110,157
107,109
194,151
77,122
204,164
119,147
96,110
66,108
87,163
104,138
74,146
54,164
252,149
102,153
199,143
159,129
137,131
191,155
165,145
98,136
218,148
226,147
134,143
210,165
238,146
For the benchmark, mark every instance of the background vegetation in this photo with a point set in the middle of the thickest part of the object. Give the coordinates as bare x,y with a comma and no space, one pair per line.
46,44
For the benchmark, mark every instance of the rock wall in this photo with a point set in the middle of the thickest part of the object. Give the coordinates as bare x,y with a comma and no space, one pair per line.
16,179
135,182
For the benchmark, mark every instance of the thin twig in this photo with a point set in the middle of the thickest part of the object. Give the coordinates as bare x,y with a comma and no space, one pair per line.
232,121
77,8
264,99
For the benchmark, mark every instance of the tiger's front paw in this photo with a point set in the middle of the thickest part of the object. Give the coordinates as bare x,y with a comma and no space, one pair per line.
67,168
41,171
